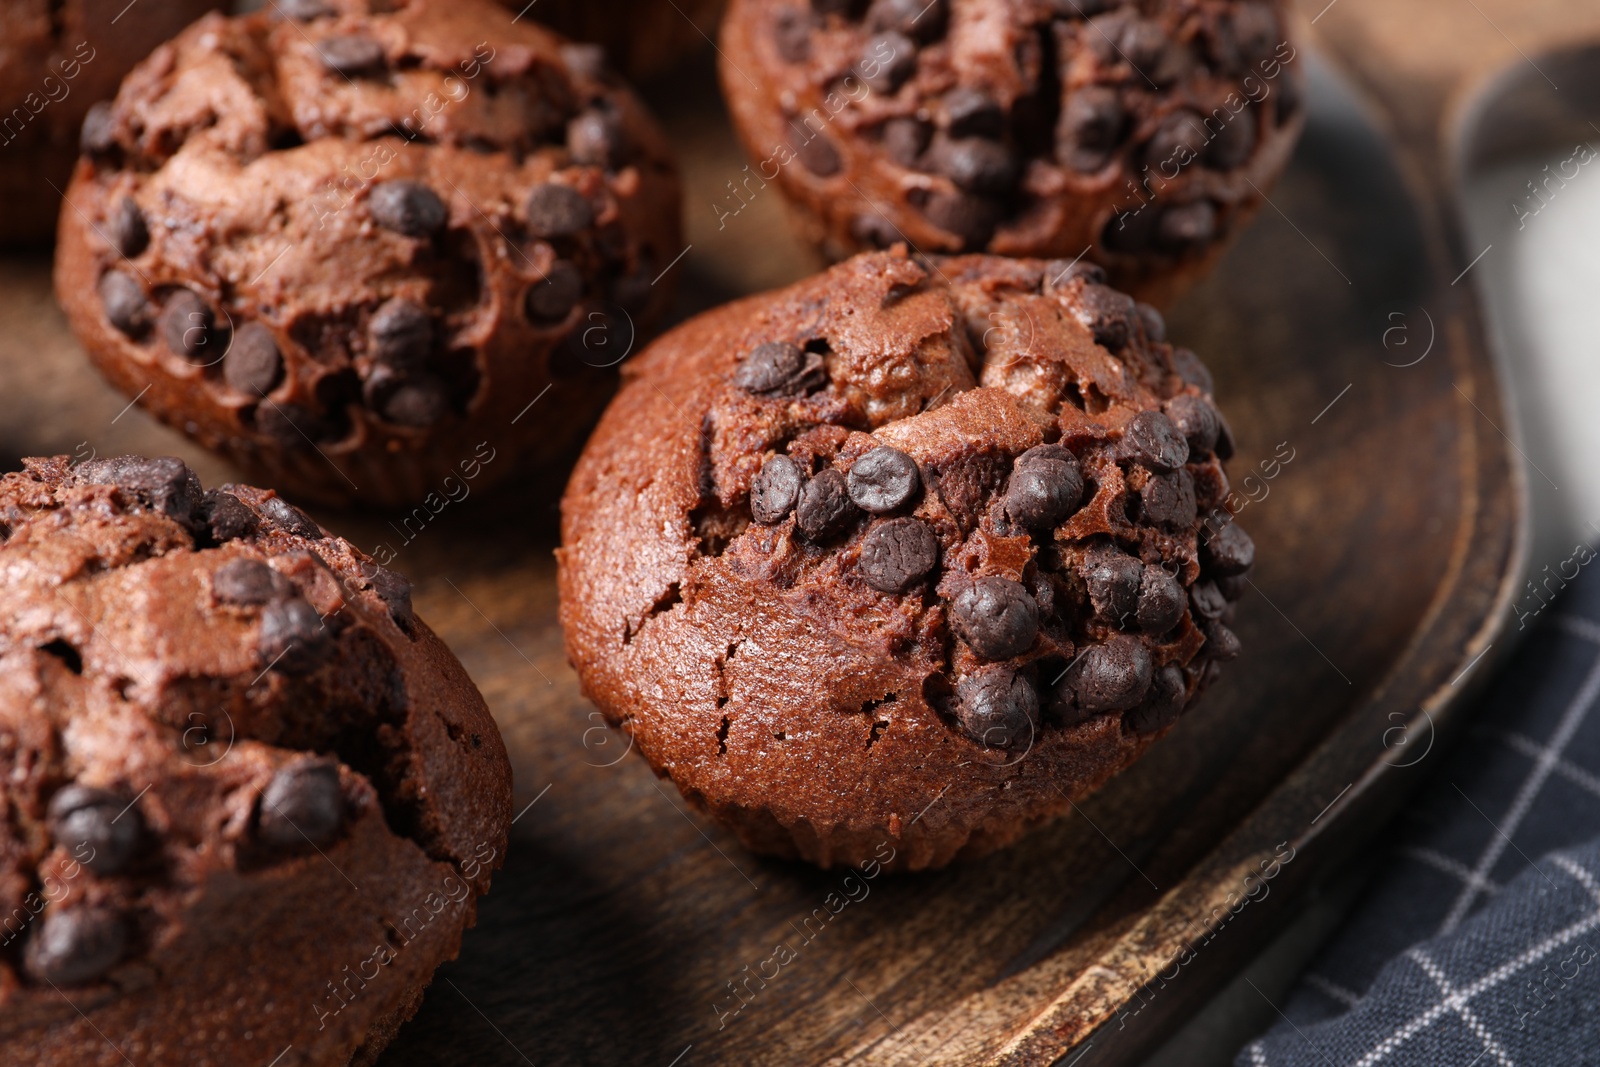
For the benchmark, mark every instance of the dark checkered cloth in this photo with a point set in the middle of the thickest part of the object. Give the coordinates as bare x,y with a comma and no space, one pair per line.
1479,946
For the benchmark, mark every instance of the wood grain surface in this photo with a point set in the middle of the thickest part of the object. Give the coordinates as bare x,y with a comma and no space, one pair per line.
625,929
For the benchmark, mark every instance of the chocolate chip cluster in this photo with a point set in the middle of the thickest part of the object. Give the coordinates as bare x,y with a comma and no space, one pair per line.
1142,132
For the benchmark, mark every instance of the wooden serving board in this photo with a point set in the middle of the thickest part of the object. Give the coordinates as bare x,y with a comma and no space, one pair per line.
1390,540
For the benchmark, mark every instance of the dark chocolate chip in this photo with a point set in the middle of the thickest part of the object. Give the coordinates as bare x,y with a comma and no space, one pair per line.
417,400
975,164
400,333
351,54
815,152
905,139
1207,600
1169,498
970,112
1161,708
584,60
1178,141
76,946
775,491
1233,586
1112,676
126,305
1233,144
887,61
289,518
780,369
247,583
227,517
923,20
1154,441
1161,601
1147,46
1044,489
884,480
996,617
897,554
303,804
971,218
1130,232
1196,420
395,592
1091,127
825,508
106,822
595,138
294,426
553,299
1106,313
293,639
791,34
407,207
558,211
998,708
1255,28
99,133
188,326
1113,579
253,365
126,228
163,483
1222,642
1228,551
1185,226
1192,370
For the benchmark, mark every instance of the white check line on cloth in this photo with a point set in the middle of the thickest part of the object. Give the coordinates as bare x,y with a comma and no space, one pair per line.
1431,969
1449,865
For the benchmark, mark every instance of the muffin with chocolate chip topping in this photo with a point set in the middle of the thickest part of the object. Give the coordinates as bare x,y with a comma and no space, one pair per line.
1137,135
250,800
918,550
347,243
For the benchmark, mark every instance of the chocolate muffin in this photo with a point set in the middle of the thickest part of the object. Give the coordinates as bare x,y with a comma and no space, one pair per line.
349,243
643,37
1138,135
249,800
915,551
58,57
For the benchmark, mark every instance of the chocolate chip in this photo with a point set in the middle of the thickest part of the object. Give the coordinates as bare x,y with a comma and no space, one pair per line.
780,369
400,333
293,639
998,708
1191,370
1228,551
1091,127
815,152
126,228
595,138
417,400
791,34
294,426
247,583
905,139
1184,226
1130,232
923,20
1146,45
558,211
1256,30
1155,326
253,365
1222,642
227,518
996,617
1106,313
1113,579
972,112
188,325
99,133
1152,439
105,821
887,61
1196,420
164,484
553,299
825,508
1161,601
76,946
125,303
1207,600
974,164
1233,144
897,554
407,207
289,518
351,54
1161,708
971,218
1233,586
1044,489
303,804
395,592
1112,676
1177,142
1169,498
775,491
884,480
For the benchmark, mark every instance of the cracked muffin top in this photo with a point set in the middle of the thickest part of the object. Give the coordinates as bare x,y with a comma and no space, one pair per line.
224,736
1137,133
914,528
346,242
